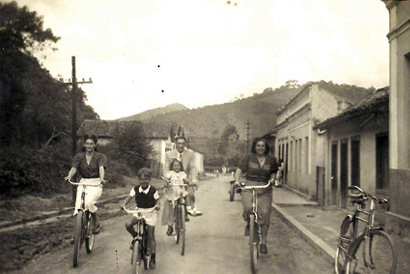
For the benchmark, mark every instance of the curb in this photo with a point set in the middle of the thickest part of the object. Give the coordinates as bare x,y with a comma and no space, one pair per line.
308,236
52,214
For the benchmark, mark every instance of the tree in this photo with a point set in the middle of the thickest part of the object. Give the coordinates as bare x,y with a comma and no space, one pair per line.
131,146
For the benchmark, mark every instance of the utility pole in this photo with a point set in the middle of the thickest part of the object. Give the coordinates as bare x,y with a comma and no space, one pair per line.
74,84
247,135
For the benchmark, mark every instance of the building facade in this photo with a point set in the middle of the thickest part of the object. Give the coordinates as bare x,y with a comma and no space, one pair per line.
299,145
399,184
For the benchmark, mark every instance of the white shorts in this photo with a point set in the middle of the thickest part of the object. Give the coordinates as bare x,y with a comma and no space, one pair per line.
92,194
150,216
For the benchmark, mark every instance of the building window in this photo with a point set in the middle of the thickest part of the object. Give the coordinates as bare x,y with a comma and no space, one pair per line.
307,155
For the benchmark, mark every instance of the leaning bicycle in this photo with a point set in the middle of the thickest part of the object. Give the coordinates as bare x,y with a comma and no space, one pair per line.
140,241
371,251
255,234
84,224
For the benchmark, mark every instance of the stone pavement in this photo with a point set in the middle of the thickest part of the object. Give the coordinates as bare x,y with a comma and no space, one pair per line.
321,227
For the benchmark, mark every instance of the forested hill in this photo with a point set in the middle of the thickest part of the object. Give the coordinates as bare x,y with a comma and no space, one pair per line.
146,115
209,122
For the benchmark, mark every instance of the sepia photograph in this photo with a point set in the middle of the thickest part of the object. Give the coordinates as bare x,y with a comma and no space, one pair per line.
204,136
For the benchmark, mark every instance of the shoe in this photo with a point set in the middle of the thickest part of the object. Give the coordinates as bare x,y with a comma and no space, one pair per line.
170,230
152,264
246,230
186,218
97,229
72,241
191,212
264,249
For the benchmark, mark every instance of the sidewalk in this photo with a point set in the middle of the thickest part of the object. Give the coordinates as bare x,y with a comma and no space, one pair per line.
321,228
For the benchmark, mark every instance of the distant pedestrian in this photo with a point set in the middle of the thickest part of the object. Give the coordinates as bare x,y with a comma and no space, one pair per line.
260,168
279,174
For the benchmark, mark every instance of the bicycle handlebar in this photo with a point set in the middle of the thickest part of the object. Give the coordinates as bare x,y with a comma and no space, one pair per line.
139,210
364,195
242,186
83,184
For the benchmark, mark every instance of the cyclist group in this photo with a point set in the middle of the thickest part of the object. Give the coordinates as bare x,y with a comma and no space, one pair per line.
258,166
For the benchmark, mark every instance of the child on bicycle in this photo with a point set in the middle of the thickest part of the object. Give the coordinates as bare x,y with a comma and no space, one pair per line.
147,197
175,176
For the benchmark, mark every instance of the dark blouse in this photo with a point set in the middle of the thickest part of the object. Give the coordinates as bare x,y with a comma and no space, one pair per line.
93,169
256,173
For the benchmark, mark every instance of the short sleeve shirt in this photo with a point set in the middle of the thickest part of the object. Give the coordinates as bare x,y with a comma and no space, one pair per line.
249,164
91,170
145,198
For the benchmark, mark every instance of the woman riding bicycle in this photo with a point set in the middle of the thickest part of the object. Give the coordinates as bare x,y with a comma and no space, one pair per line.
90,165
260,168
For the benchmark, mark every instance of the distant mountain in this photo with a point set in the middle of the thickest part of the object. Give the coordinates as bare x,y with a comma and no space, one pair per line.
204,126
146,115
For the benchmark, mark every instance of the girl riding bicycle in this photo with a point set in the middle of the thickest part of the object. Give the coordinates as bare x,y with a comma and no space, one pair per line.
175,176
146,196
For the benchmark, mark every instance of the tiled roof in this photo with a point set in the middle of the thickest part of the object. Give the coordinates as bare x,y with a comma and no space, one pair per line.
108,128
375,103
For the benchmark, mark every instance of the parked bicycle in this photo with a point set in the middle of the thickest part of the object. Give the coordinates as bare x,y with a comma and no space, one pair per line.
84,224
371,251
255,234
140,241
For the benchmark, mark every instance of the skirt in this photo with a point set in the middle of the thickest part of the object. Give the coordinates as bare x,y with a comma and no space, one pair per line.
92,194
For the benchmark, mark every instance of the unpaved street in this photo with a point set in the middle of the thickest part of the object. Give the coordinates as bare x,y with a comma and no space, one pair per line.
214,244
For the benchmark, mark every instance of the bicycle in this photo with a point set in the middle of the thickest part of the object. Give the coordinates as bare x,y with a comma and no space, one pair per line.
140,241
84,224
255,234
373,250
179,206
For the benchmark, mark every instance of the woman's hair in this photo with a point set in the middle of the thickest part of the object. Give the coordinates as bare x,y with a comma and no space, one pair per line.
175,160
255,141
144,172
92,137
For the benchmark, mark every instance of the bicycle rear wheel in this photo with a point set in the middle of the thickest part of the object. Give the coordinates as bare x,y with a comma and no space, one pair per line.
253,243
381,257
345,239
89,235
182,230
77,236
136,257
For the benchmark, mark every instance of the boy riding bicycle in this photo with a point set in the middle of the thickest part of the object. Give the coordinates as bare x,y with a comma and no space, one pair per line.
147,197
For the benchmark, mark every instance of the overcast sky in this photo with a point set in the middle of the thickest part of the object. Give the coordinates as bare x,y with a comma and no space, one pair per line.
144,54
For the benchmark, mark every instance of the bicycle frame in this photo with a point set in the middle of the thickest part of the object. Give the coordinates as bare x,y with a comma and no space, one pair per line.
254,245
140,239
368,221
82,225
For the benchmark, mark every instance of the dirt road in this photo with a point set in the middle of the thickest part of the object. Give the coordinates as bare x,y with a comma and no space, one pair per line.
214,244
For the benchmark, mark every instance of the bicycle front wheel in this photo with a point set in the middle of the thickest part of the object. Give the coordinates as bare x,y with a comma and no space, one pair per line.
253,243
378,257
136,257
177,222
77,236
345,239
89,235
182,229
232,192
